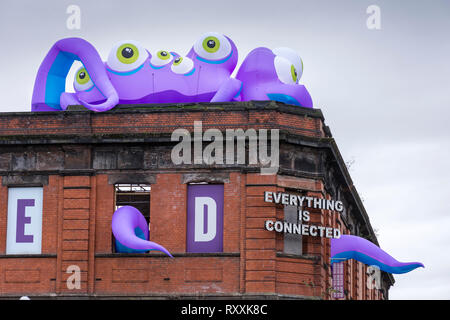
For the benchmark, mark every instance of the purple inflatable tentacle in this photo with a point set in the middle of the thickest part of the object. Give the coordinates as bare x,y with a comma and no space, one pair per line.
227,91
68,99
88,55
96,70
124,222
38,98
110,103
350,243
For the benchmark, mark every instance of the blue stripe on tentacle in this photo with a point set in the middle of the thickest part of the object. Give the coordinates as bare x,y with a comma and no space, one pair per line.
342,256
56,78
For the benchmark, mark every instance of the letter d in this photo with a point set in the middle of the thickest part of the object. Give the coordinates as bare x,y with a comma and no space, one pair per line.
202,204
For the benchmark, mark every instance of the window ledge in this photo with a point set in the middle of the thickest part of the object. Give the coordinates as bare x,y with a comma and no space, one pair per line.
297,256
31,255
162,255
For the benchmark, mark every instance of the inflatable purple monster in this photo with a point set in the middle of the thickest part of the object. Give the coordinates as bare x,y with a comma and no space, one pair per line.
131,75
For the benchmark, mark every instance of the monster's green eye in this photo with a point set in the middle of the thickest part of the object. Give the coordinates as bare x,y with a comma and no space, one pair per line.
182,65
296,61
82,80
285,70
82,76
177,61
164,55
161,58
294,73
126,56
127,53
211,44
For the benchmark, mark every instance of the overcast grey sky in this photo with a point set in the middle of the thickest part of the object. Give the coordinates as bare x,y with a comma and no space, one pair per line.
384,93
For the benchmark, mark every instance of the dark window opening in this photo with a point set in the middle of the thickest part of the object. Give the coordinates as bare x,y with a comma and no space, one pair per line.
135,195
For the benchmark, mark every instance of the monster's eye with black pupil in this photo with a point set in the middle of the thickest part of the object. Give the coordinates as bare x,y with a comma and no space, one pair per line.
213,46
161,58
285,70
295,60
294,73
126,56
82,77
82,80
127,52
182,65
164,55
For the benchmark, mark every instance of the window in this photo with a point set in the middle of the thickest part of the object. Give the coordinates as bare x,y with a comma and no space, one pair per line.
292,242
135,195
338,280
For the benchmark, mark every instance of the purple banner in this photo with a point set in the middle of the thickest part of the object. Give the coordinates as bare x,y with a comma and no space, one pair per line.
205,218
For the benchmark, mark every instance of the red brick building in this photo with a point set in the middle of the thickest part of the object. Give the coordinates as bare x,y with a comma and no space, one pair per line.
79,158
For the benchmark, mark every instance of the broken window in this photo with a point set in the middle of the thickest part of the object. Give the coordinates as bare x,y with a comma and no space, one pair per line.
135,195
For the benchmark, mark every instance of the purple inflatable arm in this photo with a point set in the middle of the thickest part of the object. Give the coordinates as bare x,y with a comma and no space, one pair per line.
124,221
51,76
353,247
230,89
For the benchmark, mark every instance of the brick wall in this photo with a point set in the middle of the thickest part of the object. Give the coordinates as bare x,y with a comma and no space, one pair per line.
79,203
251,263
133,120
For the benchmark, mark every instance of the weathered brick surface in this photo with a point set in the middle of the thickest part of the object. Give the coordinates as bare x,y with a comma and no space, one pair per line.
50,216
188,275
79,203
301,121
103,214
27,276
168,212
75,230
